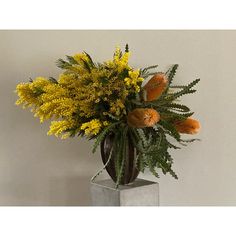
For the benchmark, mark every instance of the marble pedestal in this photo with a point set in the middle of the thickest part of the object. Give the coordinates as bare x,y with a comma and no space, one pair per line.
140,193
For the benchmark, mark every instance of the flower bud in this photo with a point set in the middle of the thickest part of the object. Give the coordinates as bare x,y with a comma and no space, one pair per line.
143,117
188,126
155,86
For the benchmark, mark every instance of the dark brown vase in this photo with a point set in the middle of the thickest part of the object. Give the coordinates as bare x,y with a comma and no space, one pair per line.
130,172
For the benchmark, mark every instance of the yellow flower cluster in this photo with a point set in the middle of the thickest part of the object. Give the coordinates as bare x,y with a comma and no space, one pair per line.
117,107
85,96
120,62
81,57
58,128
47,99
29,92
92,127
133,81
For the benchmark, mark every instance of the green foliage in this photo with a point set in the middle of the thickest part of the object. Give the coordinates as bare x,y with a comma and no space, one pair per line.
71,60
186,90
153,144
171,73
152,148
121,153
103,134
145,71
178,107
97,94
90,63
62,64
53,80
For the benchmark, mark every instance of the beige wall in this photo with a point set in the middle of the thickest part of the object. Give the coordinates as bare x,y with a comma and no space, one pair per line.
39,170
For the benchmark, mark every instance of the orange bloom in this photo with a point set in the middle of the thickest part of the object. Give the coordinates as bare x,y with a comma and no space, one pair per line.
188,126
143,117
155,86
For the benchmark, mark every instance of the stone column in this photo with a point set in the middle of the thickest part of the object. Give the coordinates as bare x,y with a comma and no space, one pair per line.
140,193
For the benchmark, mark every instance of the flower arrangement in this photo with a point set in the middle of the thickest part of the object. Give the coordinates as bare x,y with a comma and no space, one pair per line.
108,102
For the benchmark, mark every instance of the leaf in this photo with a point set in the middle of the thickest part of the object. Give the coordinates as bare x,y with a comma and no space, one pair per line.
102,135
71,60
173,146
90,59
173,174
186,90
149,68
122,154
189,140
142,137
62,64
177,86
86,65
144,72
53,80
172,115
172,130
177,106
113,117
171,73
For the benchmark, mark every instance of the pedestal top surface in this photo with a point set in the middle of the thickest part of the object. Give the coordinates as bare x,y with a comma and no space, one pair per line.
108,183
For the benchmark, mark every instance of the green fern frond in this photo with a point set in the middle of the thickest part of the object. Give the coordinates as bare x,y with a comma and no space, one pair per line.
62,64
103,134
71,60
186,90
171,73
53,80
91,63
177,106
121,154
169,127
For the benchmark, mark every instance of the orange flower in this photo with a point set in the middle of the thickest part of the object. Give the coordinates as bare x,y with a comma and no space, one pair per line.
155,86
188,126
143,117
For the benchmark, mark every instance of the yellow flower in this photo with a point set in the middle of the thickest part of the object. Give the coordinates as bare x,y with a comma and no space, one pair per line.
58,128
127,81
30,93
83,93
105,123
133,82
134,74
120,62
92,127
117,107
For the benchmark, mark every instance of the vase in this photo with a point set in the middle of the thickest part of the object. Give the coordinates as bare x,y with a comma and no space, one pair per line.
130,171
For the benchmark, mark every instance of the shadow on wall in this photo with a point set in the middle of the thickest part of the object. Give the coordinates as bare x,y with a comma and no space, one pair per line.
69,191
